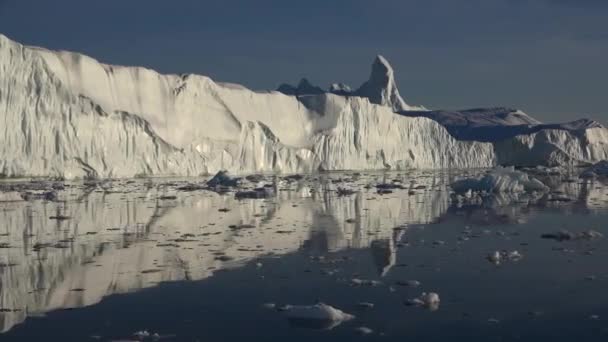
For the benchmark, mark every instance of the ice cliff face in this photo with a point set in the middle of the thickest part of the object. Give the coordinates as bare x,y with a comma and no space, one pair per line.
521,140
67,115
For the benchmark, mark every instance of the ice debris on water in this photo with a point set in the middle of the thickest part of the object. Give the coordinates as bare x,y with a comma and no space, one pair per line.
497,257
144,335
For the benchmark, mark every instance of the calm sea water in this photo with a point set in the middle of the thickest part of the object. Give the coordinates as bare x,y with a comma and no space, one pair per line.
103,261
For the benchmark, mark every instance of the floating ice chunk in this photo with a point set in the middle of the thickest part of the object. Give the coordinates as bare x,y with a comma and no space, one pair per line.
364,282
223,178
429,300
498,256
364,330
495,257
319,315
269,306
515,256
409,283
500,180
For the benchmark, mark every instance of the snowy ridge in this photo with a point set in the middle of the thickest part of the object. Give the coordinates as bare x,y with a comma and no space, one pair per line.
67,115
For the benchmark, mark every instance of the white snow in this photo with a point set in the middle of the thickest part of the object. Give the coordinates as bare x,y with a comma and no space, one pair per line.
500,180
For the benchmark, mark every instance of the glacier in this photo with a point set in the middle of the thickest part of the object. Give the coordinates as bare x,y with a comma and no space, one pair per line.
66,115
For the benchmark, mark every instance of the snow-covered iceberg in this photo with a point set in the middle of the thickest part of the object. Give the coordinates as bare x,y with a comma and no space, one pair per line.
68,115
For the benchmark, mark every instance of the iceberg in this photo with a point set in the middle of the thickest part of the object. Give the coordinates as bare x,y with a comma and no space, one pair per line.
67,115
500,180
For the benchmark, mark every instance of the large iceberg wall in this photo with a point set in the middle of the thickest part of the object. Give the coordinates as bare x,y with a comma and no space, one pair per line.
521,140
67,115
554,147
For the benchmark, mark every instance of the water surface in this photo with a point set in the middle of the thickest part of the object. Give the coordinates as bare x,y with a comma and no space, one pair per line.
104,260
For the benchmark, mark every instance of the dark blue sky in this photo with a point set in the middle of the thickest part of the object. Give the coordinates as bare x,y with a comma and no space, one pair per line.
548,57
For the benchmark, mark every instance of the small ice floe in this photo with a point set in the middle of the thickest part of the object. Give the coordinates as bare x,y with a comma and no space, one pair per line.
497,257
514,256
565,235
429,300
318,316
365,305
141,334
364,330
408,283
271,306
144,335
223,179
364,282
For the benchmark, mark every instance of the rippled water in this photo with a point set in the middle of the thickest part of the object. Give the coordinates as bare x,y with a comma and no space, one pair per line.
105,260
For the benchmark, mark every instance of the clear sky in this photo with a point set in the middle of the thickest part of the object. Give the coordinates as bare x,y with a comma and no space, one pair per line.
547,57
